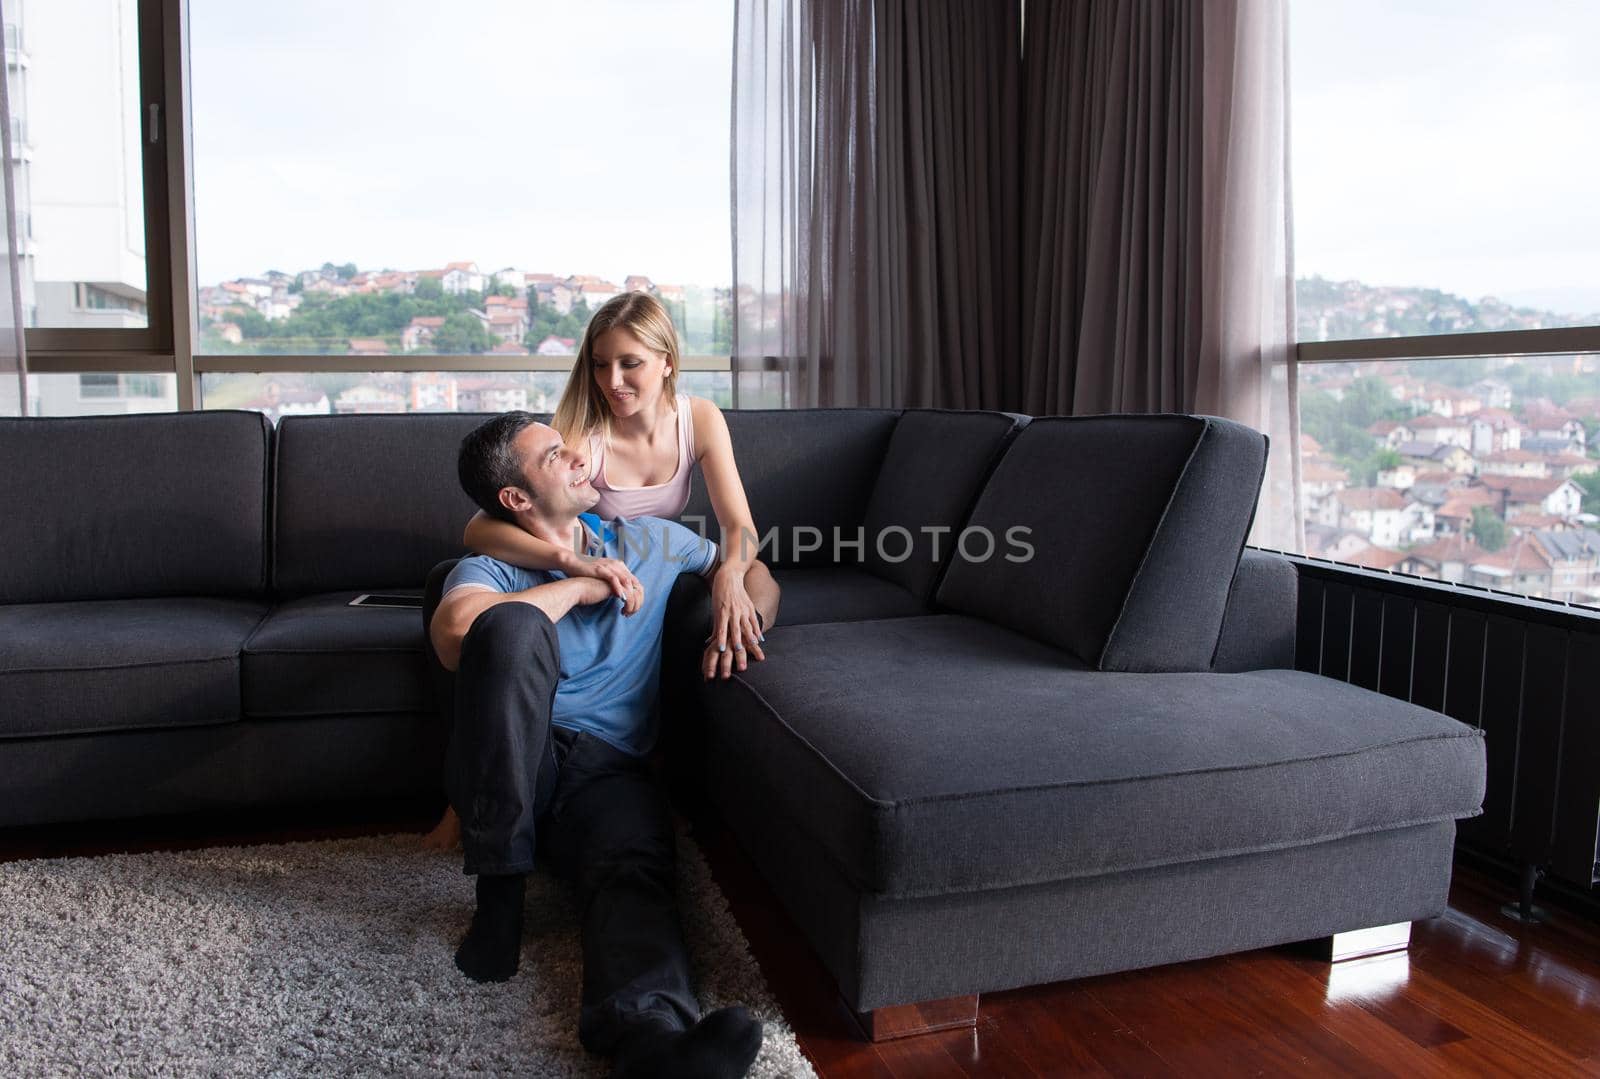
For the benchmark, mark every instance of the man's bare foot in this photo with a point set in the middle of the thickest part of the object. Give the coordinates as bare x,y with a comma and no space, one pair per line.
446,835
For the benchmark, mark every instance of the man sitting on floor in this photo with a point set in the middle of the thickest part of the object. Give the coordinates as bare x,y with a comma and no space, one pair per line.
554,698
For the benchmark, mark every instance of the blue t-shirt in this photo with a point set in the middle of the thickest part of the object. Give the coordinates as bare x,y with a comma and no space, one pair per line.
610,665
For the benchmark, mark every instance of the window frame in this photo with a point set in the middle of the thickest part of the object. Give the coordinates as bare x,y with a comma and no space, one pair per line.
167,344
67,350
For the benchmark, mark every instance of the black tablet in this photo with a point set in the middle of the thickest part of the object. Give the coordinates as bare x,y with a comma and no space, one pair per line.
378,599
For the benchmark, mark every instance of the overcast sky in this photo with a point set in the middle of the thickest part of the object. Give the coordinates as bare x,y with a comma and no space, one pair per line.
1450,143
582,137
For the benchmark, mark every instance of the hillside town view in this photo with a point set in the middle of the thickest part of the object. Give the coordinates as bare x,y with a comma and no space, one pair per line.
453,310
1483,471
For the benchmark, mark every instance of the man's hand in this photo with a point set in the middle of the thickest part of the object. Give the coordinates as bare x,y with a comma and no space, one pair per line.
617,577
461,607
723,663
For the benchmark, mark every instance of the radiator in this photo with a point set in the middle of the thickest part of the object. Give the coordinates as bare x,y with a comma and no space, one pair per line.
1526,673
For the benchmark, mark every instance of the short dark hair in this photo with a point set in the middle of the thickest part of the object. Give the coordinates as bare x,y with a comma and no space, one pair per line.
488,461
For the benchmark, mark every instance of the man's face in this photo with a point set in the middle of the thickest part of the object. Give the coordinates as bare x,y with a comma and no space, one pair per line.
557,477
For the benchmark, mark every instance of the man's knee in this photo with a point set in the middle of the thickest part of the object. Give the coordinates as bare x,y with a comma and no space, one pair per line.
644,863
510,632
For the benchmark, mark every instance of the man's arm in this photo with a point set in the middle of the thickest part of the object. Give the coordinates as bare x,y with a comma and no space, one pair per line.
462,606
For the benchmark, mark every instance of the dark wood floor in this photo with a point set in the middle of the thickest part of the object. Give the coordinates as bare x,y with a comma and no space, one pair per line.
1476,994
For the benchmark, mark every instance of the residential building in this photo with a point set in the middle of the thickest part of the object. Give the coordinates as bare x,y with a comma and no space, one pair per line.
1392,434
1444,430
1494,430
1574,557
490,395
1521,566
1379,558
1330,541
1454,516
1318,483
1492,392
1438,455
433,391
1385,516
1555,423
1445,559
1513,463
418,336
368,398
556,346
1402,477
1567,465
462,277
276,402
1516,495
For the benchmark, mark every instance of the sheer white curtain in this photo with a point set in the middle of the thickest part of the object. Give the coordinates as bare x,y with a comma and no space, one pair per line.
1157,271
13,348
1247,254
875,169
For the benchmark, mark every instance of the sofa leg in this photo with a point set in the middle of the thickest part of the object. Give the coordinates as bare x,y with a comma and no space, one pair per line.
1360,943
905,1020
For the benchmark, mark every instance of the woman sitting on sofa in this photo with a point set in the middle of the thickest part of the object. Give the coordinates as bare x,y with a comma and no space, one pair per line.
643,439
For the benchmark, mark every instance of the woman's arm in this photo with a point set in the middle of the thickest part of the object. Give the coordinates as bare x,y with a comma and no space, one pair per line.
510,544
764,594
733,611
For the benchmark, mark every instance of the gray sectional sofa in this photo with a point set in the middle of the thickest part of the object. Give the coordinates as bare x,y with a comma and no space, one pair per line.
959,773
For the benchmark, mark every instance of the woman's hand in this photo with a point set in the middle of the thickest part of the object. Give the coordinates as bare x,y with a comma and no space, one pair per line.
617,577
735,627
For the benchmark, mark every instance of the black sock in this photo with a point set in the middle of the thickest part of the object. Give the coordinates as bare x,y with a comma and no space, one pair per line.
493,944
722,1045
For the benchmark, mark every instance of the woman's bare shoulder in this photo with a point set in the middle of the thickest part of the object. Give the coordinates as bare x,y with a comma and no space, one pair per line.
710,426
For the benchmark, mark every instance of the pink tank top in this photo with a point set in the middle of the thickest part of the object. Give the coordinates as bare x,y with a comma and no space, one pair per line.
662,500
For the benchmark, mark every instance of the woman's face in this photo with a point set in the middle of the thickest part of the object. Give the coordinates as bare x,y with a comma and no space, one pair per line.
629,374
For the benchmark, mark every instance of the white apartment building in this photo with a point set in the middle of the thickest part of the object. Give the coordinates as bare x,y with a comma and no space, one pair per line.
80,193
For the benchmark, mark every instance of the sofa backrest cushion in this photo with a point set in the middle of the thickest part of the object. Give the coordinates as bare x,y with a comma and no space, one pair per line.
367,501
802,469
936,466
1135,525
121,507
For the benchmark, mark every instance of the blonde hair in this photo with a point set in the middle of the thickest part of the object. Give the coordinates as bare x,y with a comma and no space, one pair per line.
583,408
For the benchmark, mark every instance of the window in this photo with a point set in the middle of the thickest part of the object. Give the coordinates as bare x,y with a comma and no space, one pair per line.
287,393
1447,306
101,392
89,173
468,179
1444,158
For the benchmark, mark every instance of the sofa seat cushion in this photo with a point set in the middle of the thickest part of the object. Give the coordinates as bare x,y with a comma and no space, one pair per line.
318,656
110,665
944,754
840,594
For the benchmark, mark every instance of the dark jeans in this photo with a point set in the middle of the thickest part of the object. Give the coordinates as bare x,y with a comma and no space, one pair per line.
597,813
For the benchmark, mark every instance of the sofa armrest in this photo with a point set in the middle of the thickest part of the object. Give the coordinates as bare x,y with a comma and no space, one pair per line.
1259,624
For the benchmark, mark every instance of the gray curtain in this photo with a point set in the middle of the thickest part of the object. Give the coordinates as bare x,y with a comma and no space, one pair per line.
14,267
1156,258
876,182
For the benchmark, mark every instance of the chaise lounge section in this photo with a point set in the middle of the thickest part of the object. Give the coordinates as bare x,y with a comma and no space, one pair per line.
1052,773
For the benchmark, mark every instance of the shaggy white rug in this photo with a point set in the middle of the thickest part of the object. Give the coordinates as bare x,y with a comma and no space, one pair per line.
329,958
